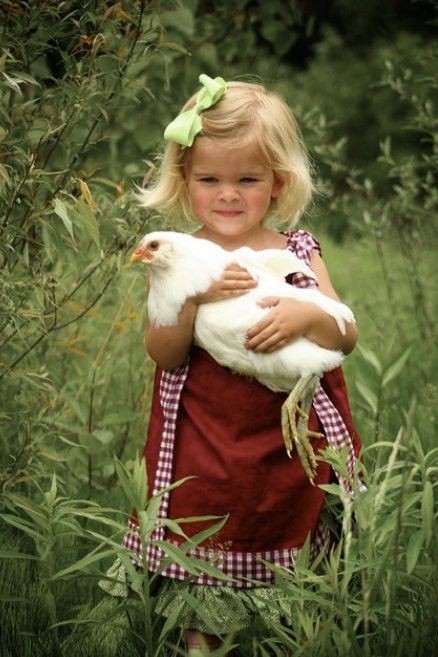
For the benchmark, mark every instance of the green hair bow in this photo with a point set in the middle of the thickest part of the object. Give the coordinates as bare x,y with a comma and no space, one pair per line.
186,126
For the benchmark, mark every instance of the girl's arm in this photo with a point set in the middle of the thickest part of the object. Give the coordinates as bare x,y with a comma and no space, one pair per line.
169,346
329,330
290,319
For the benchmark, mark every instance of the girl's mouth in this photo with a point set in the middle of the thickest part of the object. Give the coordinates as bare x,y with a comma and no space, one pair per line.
229,213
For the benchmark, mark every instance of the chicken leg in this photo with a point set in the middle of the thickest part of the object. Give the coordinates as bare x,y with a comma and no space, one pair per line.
296,431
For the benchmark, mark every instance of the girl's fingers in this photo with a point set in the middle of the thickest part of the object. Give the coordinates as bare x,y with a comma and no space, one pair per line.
234,282
267,320
237,286
237,276
267,344
237,283
255,339
234,271
233,266
256,330
268,302
267,334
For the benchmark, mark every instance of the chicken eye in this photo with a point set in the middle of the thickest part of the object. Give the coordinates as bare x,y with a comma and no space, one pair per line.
154,245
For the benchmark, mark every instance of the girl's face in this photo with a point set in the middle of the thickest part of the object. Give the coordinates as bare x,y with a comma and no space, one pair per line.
230,190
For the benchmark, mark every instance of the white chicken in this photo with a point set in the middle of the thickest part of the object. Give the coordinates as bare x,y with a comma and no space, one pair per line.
183,265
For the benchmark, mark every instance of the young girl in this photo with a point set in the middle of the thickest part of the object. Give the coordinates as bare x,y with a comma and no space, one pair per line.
234,160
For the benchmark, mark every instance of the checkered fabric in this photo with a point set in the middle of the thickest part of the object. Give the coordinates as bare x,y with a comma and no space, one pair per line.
171,386
244,567
302,244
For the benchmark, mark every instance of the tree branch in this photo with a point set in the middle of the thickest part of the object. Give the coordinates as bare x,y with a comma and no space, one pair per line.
54,326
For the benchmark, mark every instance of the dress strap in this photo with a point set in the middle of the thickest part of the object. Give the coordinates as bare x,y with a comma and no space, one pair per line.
336,433
302,244
171,386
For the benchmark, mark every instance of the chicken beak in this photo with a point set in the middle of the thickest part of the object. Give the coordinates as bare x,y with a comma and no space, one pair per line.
138,255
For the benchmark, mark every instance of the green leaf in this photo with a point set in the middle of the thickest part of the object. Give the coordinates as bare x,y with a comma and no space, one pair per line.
148,519
303,555
24,77
175,46
51,494
178,555
396,367
181,19
367,395
117,418
370,357
23,525
51,454
203,535
279,35
16,555
104,436
427,512
13,598
192,565
337,458
4,175
198,518
134,483
171,620
29,507
176,484
108,64
13,83
114,544
79,410
174,528
201,611
413,550
86,219
61,210
83,563
53,240
335,489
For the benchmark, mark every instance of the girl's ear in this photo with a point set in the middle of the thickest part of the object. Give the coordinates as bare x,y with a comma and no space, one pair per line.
277,187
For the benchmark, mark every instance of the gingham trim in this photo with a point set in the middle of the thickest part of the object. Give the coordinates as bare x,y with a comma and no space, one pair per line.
243,567
303,244
336,433
171,386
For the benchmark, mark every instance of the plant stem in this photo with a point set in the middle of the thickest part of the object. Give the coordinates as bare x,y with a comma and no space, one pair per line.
55,327
90,424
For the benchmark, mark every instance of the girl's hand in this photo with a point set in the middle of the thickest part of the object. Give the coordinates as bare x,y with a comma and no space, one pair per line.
288,320
234,282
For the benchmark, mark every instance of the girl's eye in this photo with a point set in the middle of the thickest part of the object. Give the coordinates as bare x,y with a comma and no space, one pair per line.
208,179
248,180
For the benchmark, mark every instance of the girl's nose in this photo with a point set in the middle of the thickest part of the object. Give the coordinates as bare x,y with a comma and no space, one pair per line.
228,192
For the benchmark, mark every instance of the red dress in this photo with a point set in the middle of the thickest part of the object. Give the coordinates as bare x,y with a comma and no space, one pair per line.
224,429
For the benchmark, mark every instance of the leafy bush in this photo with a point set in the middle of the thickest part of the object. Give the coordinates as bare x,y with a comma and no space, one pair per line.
66,71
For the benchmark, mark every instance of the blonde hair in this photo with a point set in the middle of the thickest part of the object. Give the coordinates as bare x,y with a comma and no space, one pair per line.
251,112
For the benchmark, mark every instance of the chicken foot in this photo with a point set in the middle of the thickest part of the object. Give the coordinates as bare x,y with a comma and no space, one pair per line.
296,431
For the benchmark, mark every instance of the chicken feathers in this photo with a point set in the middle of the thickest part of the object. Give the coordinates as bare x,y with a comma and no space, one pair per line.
183,266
